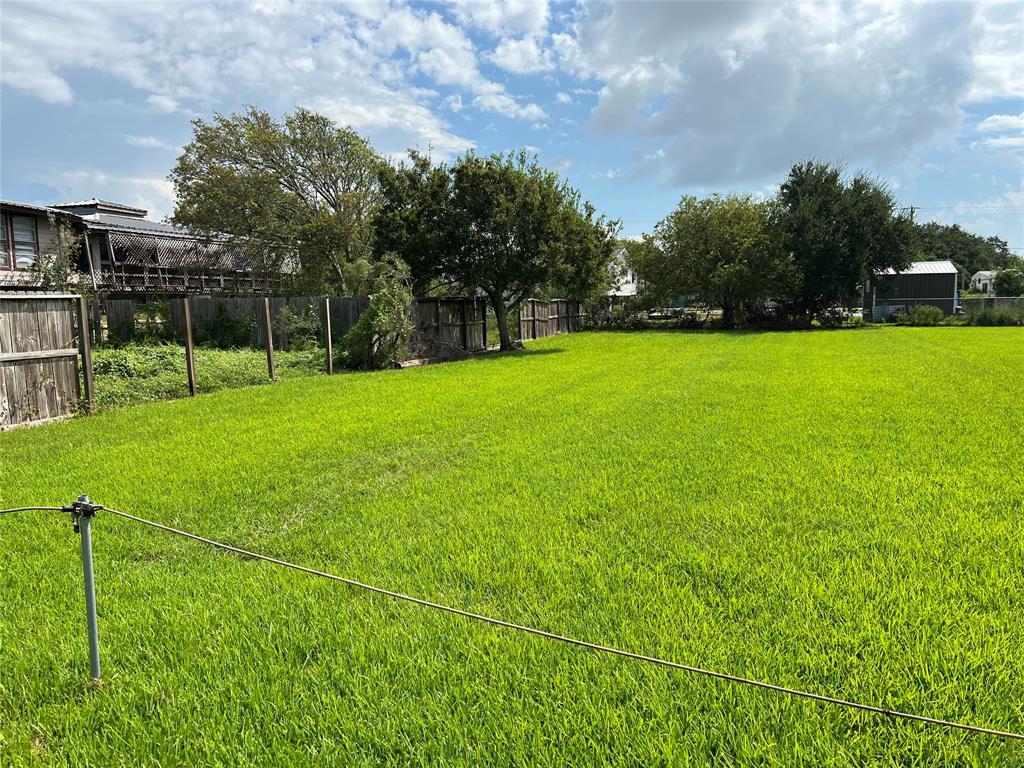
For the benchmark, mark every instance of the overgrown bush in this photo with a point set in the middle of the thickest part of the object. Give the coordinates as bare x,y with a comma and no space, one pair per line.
226,331
381,337
923,314
299,331
991,316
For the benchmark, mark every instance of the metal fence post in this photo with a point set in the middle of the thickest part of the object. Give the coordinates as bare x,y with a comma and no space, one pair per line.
83,512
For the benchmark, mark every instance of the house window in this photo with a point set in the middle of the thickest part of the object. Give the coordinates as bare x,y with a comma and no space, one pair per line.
5,260
25,239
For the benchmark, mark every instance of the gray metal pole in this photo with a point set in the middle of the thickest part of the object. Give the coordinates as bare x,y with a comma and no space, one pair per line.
84,523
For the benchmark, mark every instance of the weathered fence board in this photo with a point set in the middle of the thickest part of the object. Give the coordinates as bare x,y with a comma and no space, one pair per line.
38,357
538,319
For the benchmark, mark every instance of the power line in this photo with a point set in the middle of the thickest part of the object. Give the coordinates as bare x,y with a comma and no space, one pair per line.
572,641
33,509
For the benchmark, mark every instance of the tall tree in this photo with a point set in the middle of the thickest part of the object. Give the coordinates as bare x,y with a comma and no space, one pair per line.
300,189
836,234
718,249
971,253
501,225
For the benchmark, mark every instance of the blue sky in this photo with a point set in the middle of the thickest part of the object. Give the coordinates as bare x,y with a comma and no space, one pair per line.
636,103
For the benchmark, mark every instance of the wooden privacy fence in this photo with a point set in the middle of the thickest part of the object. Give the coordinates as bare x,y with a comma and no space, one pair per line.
448,322
459,323
40,346
538,319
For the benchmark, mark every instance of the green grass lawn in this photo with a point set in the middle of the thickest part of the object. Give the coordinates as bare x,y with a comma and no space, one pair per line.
838,511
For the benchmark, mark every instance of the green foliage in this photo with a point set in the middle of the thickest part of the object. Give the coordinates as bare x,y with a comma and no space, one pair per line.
717,249
301,188
142,372
153,321
381,336
837,233
298,330
923,314
1000,315
949,242
1010,281
56,266
226,330
819,510
502,225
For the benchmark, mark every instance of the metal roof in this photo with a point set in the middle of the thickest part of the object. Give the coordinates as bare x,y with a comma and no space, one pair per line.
925,268
40,208
107,221
95,201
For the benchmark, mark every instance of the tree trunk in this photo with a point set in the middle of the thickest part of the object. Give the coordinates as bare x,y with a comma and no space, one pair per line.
501,316
728,316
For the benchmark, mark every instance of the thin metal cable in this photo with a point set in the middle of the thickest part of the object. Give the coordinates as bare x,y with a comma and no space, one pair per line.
572,641
32,509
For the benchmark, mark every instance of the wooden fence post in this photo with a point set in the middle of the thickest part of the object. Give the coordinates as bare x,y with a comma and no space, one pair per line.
269,333
97,327
483,309
85,349
465,325
190,359
327,335
533,316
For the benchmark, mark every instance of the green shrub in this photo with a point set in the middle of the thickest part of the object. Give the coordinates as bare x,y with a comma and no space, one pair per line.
991,316
227,331
381,337
923,314
298,331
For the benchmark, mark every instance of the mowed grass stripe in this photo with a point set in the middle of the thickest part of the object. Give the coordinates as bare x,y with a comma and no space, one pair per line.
828,510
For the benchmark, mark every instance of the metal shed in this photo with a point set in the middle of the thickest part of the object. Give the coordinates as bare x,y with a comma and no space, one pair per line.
923,282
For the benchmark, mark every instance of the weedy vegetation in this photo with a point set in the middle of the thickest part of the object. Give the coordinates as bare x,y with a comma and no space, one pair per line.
837,510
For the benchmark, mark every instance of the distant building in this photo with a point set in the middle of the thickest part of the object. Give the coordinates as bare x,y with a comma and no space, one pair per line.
934,283
923,282
122,251
627,284
984,281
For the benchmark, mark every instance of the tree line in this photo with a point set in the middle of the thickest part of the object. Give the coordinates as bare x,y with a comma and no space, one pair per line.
316,204
305,199
801,256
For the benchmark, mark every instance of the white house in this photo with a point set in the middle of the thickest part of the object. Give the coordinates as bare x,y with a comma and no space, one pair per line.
984,281
627,282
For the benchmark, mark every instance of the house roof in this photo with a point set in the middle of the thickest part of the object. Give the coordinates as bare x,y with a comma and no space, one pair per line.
925,268
984,274
39,208
107,206
106,222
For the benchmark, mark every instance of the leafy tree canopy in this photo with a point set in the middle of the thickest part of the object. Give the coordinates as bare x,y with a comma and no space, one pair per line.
971,253
718,249
837,234
279,191
501,225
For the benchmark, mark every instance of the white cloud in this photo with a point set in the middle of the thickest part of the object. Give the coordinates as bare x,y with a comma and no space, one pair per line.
163,103
998,52
1006,142
497,100
521,56
149,142
563,98
504,17
1002,123
359,60
739,91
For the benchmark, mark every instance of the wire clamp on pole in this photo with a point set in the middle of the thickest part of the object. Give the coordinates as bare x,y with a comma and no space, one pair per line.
82,507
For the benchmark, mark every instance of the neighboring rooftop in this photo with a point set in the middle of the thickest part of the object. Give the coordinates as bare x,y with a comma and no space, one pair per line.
95,205
31,207
925,268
